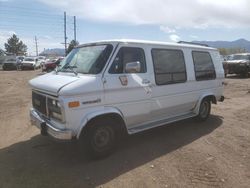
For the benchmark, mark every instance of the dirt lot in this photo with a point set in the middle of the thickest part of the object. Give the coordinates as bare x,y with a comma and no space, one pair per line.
215,153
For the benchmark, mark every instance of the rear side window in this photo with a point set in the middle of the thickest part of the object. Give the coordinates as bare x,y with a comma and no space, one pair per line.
203,66
169,66
128,55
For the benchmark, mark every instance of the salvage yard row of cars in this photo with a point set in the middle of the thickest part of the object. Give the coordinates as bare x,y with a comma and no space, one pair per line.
30,63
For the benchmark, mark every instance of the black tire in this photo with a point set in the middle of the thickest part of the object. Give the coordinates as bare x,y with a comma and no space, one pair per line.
98,139
204,110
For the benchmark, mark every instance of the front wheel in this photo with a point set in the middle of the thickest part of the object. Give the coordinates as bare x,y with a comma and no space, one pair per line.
99,140
204,110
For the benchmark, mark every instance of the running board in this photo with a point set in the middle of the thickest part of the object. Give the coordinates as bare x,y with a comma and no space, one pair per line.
162,122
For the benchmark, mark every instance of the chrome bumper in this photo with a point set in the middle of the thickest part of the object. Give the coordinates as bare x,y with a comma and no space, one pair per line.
47,128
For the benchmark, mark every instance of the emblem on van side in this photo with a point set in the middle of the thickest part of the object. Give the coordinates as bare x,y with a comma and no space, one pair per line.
92,102
123,80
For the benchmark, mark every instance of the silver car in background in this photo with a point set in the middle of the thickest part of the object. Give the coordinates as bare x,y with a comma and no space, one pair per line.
30,63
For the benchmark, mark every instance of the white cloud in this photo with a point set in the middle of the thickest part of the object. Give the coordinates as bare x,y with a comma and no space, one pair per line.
167,29
177,13
174,38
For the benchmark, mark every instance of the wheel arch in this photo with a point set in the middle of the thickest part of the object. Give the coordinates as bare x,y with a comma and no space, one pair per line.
107,112
210,96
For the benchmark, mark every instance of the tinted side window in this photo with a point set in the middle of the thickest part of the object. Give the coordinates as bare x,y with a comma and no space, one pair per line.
203,65
128,55
169,66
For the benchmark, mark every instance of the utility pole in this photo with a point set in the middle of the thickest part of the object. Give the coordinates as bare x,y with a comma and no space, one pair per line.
75,28
36,46
65,34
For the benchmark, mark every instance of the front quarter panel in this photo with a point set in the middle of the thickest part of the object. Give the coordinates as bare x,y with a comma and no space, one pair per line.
88,91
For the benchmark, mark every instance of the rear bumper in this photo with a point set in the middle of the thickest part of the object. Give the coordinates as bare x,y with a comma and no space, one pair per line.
47,128
27,66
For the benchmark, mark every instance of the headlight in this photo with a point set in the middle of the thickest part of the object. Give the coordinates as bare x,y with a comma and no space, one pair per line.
55,110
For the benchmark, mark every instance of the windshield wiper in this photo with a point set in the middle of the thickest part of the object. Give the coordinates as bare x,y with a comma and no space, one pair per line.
70,68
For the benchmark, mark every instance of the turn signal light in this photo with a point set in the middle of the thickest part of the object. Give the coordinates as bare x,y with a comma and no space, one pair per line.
74,104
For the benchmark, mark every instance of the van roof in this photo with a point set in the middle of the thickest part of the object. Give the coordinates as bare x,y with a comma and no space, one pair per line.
150,42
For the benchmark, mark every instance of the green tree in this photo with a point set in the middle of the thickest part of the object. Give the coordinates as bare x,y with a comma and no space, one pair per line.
223,51
228,51
15,46
72,44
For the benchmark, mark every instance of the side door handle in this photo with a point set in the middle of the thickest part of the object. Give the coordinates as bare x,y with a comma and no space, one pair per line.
145,81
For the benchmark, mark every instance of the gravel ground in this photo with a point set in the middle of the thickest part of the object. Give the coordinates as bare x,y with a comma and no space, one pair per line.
215,153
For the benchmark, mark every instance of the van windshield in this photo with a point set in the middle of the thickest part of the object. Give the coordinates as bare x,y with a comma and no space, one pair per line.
87,59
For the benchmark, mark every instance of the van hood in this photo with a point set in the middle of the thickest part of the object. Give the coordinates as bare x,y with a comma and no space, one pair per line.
51,83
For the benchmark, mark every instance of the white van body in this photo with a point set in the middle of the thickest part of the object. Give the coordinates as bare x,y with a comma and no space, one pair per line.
134,97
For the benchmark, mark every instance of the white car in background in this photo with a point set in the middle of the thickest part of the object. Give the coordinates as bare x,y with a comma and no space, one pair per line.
30,63
42,60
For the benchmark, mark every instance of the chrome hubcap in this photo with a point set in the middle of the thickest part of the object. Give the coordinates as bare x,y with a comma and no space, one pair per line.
102,137
204,109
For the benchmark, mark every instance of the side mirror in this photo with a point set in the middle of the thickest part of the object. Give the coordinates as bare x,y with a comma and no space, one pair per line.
133,67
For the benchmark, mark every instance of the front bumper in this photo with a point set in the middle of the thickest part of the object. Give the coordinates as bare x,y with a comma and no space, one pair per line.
237,68
27,66
9,66
47,127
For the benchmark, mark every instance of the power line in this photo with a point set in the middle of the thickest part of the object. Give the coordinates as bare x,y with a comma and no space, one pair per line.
42,23
75,28
36,46
65,34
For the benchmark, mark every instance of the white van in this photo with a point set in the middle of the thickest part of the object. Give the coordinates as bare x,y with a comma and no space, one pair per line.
103,89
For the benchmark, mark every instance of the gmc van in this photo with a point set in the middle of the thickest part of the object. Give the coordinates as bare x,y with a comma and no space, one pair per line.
104,89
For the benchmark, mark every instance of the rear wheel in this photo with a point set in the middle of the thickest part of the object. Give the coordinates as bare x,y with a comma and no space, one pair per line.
204,110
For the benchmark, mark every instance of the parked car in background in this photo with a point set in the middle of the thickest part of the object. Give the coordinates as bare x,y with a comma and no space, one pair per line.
30,63
10,63
224,63
2,57
239,64
42,60
20,59
225,67
51,64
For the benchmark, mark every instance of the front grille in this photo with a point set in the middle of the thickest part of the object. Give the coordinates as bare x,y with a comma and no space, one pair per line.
27,64
39,102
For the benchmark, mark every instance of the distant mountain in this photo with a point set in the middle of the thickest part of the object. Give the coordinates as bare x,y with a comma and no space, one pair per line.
241,43
53,52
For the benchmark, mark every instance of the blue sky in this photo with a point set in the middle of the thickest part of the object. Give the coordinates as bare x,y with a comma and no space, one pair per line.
160,20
